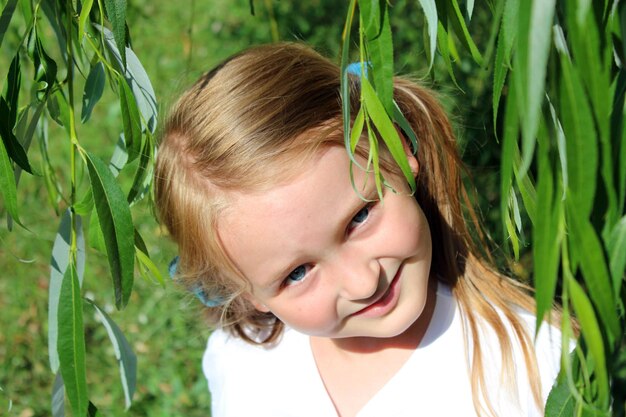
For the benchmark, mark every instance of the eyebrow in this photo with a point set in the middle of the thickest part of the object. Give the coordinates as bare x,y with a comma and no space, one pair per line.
363,198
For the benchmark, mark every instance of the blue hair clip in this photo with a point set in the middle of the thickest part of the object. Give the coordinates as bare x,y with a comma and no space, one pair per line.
355,68
208,301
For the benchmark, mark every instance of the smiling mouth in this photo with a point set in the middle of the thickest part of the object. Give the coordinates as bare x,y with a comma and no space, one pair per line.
386,298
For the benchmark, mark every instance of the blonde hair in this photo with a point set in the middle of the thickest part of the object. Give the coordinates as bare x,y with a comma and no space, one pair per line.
243,125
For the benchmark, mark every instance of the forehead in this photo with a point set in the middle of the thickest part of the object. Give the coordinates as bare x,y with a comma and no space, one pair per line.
263,230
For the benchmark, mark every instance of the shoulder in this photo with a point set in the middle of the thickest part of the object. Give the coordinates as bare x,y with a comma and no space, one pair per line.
264,376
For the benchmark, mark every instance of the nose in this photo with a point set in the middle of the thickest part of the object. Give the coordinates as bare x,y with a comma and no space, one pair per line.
357,275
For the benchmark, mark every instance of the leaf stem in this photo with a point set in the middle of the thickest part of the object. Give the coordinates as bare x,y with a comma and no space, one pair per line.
72,129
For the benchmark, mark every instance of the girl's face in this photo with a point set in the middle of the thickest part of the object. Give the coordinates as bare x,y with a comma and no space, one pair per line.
326,262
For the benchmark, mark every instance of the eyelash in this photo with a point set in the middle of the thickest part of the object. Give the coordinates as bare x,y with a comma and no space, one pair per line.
354,224
305,268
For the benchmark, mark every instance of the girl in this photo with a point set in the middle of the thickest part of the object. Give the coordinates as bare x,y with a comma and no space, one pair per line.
329,301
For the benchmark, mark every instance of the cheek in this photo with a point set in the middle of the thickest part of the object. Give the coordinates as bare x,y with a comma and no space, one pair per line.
408,228
308,317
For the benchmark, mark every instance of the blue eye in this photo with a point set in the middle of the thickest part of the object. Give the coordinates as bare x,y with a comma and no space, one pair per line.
360,217
296,275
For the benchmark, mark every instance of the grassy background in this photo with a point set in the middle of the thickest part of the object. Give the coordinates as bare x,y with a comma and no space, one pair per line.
177,41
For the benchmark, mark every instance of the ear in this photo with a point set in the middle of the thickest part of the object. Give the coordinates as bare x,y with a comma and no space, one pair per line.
413,164
256,303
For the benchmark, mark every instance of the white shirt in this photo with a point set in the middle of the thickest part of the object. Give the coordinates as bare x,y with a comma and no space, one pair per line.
247,380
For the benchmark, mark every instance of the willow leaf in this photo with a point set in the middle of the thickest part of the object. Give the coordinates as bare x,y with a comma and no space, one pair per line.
96,238
380,49
581,149
618,137
136,77
94,87
504,49
430,11
71,342
345,82
143,175
533,47
116,12
14,81
57,403
84,17
617,254
458,23
500,70
560,401
591,332
5,17
131,120
381,54
117,227
59,262
13,147
7,185
387,130
123,353
511,126
595,270
25,130
401,121
546,232
357,129
145,261
444,49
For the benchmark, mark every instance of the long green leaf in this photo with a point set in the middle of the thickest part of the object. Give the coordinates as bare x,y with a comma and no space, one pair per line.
145,261
547,234
119,158
71,342
533,46
504,49
143,175
13,147
116,12
618,137
511,126
117,227
444,50
357,129
387,130
123,353
617,254
84,17
59,262
590,330
131,120
25,130
375,15
14,81
137,78
582,152
430,11
5,17
345,83
458,23
57,403
560,401
7,184
94,87
595,270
